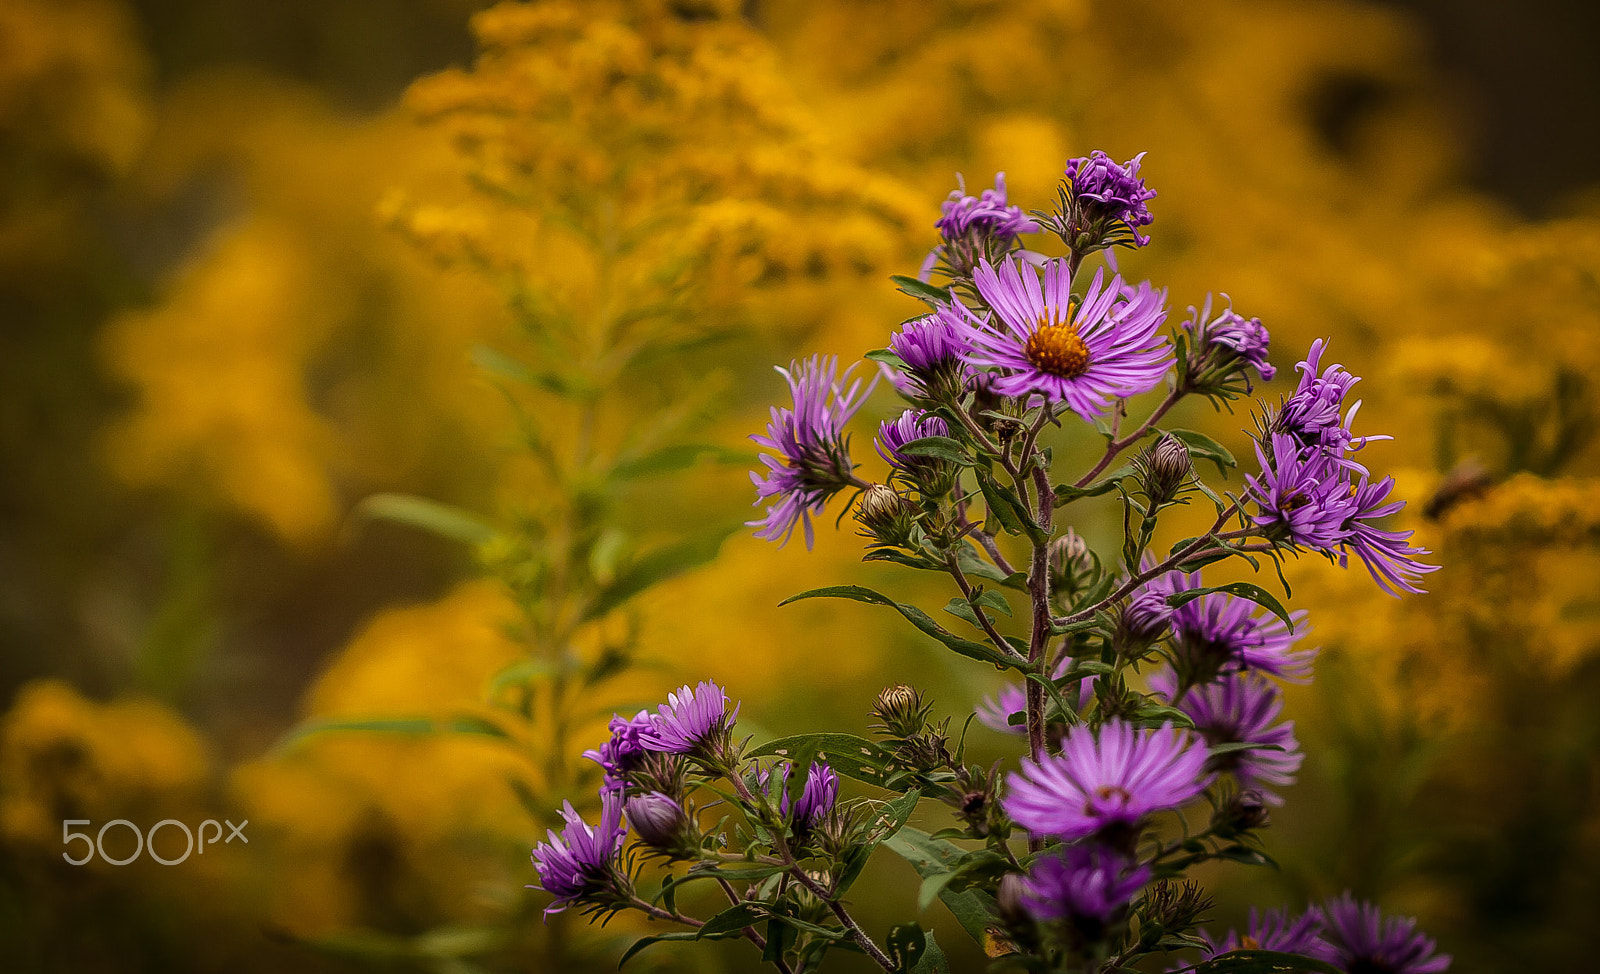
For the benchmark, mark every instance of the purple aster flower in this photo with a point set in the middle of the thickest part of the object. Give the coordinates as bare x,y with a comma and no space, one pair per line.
1105,195
1011,700
692,721
1216,633
813,453
1388,555
1274,930
816,800
1239,708
934,349
1226,347
1106,784
1085,355
1362,940
1314,413
976,228
1302,495
932,475
581,862
1086,885
624,751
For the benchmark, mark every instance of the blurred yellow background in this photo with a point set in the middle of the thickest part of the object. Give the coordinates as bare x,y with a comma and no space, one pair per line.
261,262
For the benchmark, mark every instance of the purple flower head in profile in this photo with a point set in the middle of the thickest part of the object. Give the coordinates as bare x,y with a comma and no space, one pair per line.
1145,618
1273,930
816,800
1084,354
1362,940
1302,494
976,228
1227,346
1106,784
1217,633
934,349
581,862
995,712
1086,885
624,751
1105,193
932,475
1389,556
692,721
1314,413
812,460
1240,708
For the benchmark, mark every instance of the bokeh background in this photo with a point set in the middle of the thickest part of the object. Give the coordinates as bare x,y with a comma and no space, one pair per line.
262,263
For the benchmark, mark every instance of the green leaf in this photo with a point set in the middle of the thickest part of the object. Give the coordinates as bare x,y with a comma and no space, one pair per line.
1007,507
933,961
905,946
1263,962
1243,590
973,563
1066,493
644,942
520,673
887,358
921,290
938,447
973,909
656,567
405,726
914,615
677,457
431,516
1203,446
851,756
962,609
731,922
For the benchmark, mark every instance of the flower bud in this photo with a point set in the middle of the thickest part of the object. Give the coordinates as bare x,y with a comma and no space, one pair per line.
1241,813
901,710
1145,618
1070,561
1164,469
1014,915
660,823
886,515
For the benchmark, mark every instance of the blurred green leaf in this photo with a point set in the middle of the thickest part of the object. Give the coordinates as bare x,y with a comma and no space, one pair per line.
644,942
405,726
657,567
432,516
1263,962
677,457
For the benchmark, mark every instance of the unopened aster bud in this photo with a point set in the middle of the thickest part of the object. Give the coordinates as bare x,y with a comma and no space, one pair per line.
660,823
1164,469
1243,812
1145,618
1018,922
901,710
886,515
1069,561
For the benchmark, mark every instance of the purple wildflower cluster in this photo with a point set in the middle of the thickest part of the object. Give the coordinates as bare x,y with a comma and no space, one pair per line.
976,228
1311,493
813,452
1351,935
1116,655
582,862
1104,198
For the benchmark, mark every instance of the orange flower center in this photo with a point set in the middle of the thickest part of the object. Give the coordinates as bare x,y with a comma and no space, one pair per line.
1106,793
1058,349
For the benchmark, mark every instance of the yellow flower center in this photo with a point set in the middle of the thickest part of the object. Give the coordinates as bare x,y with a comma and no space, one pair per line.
1058,349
